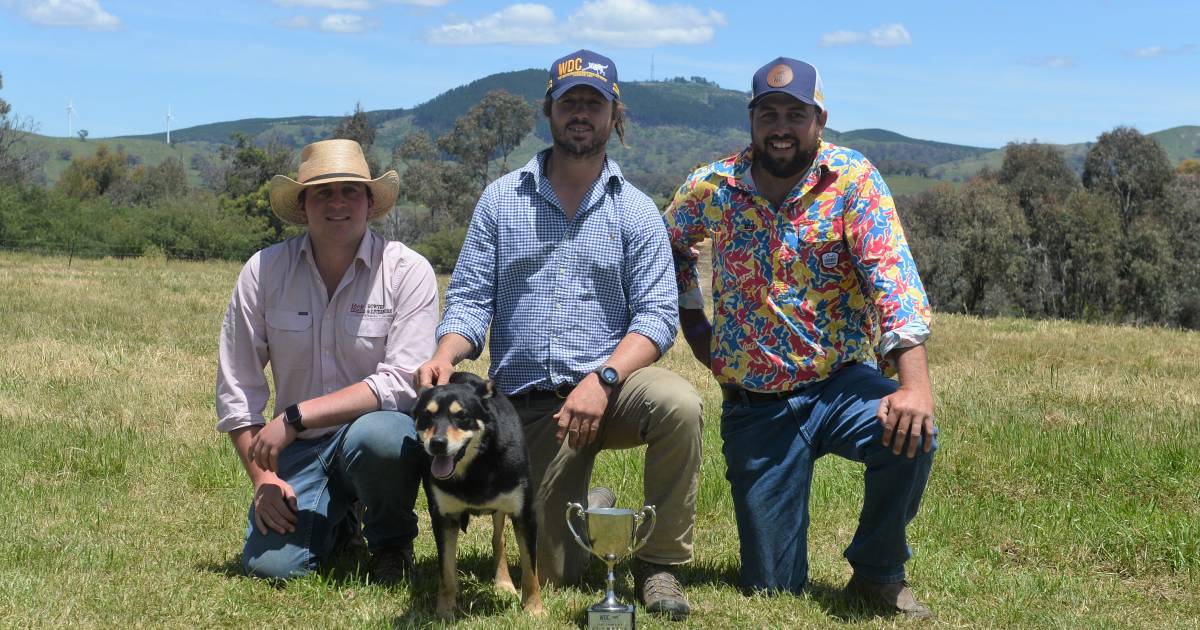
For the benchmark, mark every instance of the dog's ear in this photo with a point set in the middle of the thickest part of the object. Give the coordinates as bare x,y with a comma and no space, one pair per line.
484,388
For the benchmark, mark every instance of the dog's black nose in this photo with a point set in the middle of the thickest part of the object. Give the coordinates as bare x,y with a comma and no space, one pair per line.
437,445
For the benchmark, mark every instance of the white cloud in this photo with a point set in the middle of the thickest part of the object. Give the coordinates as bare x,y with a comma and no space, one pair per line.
841,38
1159,51
620,23
1058,61
70,13
641,24
885,36
299,21
890,35
333,5
345,23
514,24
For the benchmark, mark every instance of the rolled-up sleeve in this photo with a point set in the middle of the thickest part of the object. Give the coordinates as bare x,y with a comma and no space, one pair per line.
242,390
650,278
471,296
411,340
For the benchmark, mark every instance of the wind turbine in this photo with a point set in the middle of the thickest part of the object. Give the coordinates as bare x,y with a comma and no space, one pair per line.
169,119
70,116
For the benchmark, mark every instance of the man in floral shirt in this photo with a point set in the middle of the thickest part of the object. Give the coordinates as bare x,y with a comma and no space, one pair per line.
815,296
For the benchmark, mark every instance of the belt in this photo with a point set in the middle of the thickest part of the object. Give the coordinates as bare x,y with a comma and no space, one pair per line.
531,396
733,393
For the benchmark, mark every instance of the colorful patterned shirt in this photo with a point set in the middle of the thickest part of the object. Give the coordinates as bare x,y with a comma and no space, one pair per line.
559,295
798,291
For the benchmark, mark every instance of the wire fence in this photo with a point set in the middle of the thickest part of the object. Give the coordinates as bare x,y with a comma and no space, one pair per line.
93,250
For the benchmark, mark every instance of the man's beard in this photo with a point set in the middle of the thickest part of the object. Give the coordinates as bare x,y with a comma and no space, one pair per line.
787,168
579,149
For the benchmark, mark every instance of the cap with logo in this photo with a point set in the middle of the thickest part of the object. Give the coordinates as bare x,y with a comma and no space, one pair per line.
789,76
583,67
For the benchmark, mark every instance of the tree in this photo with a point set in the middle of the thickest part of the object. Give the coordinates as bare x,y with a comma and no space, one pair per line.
18,160
356,127
148,185
509,117
246,171
970,244
1128,167
83,134
91,176
447,188
495,125
1038,174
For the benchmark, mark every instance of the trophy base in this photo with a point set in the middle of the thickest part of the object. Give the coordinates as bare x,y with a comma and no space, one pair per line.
608,617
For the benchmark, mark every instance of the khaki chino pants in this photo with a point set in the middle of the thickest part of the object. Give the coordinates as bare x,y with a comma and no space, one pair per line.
653,407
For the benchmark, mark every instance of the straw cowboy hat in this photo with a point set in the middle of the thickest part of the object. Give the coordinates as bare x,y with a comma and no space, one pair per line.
332,161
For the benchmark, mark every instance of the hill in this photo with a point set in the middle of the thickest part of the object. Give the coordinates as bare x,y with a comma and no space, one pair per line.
673,126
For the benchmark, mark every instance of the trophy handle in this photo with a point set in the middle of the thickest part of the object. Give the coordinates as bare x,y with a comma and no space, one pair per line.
641,516
573,508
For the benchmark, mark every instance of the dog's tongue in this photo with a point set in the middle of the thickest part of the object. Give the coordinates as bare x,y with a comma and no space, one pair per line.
442,466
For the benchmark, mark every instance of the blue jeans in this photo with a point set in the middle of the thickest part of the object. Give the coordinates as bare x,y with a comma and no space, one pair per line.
376,460
769,453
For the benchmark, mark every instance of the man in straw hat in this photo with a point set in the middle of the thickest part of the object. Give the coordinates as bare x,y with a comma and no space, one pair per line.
569,265
814,290
345,318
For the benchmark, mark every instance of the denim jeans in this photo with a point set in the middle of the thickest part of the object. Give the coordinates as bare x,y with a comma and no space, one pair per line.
376,460
769,453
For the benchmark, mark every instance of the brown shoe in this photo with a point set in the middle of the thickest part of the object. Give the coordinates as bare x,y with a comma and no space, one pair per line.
895,597
392,564
659,590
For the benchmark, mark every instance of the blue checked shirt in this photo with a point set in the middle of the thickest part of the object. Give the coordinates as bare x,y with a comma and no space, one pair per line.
559,295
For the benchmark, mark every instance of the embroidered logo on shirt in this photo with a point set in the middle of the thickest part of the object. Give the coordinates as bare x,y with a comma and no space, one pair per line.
371,311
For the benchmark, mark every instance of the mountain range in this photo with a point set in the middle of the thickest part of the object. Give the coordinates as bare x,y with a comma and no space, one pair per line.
673,125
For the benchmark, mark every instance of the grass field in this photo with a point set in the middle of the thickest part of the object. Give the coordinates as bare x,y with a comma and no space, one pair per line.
1066,493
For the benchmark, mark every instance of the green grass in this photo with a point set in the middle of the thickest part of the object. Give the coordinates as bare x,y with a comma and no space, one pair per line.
1066,493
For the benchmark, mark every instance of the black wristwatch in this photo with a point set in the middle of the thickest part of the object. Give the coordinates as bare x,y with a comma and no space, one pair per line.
294,418
608,375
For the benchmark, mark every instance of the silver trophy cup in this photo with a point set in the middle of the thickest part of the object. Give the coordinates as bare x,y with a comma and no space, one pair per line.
611,534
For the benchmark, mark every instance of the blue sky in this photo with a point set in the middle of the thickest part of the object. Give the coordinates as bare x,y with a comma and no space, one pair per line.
980,73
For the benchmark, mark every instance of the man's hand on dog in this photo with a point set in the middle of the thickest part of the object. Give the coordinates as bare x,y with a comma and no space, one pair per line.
580,416
907,416
274,505
270,442
435,371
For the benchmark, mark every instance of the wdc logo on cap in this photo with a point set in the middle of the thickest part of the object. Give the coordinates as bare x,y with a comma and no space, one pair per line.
583,67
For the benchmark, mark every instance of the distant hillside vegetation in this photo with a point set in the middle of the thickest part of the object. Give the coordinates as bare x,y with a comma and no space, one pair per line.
674,124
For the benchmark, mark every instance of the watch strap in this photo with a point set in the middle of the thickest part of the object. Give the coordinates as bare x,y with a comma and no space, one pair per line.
294,418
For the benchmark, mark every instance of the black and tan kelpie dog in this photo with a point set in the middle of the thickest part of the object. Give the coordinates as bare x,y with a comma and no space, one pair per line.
478,465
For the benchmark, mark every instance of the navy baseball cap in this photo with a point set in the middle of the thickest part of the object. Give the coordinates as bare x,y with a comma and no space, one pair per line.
789,76
584,67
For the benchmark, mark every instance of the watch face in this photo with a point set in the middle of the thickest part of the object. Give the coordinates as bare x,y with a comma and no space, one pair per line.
609,375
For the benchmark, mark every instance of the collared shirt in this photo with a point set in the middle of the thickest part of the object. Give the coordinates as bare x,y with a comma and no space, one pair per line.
559,295
799,290
378,328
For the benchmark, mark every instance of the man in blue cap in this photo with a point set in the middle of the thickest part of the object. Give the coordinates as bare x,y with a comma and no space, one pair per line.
569,266
815,297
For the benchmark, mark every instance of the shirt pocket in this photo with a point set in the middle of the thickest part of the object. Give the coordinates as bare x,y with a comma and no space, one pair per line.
289,338
369,334
813,253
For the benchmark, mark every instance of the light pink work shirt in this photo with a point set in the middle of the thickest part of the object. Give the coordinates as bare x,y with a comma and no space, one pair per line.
378,328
